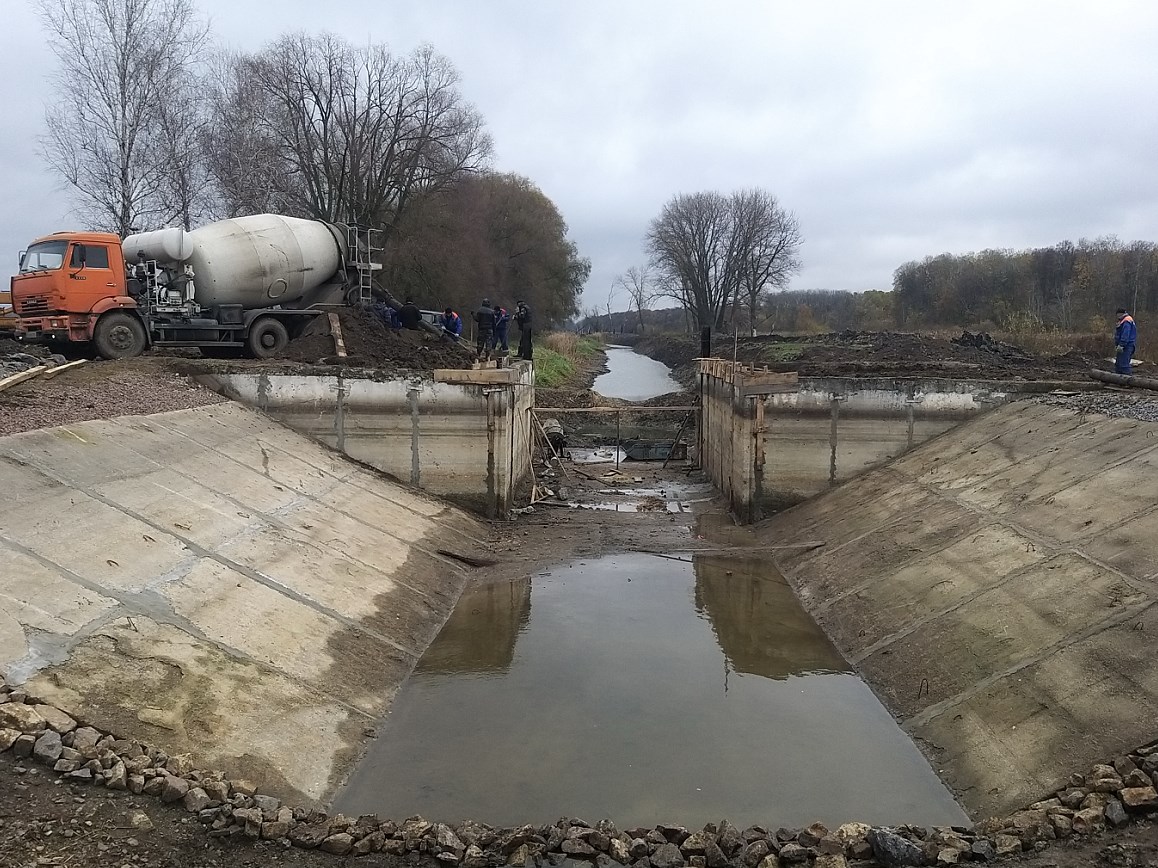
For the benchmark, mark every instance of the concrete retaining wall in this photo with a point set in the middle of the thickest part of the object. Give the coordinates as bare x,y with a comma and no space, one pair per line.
769,451
997,589
833,429
212,583
466,442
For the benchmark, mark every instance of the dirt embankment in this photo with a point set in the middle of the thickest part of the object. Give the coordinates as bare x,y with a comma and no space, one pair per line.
875,354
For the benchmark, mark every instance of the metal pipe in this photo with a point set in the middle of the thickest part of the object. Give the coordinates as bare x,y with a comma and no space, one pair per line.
618,440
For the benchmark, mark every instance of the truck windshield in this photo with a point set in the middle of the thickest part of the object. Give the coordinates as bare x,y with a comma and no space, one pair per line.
45,256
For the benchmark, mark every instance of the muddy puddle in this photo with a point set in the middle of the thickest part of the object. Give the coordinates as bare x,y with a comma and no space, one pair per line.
644,689
631,376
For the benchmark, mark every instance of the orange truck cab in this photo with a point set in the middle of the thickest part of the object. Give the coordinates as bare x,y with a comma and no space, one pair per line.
66,284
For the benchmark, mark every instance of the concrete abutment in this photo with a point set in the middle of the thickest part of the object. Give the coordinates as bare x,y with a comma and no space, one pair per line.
768,441
462,435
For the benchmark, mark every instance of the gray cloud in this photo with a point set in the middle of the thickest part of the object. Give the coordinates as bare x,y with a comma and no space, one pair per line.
893,130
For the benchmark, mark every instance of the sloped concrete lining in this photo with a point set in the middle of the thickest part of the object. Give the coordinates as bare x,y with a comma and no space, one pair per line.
212,583
996,587
465,435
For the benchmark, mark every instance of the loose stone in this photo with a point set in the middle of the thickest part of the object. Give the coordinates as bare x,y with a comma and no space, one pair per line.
196,800
310,836
56,719
666,855
1088,820
173,789
117,777
794,853
24,718
48,747
983,850
891,849
1139,799
619,851
85,738
1007,845
339,844
754,853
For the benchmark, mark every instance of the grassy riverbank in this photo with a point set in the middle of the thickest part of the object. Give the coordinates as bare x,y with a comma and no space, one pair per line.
564,359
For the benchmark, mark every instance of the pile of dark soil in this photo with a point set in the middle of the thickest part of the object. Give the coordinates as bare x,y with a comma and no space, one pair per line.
371,344
10,347
876,354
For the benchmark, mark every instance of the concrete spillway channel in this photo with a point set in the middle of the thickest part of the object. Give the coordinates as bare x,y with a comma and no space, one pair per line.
953,619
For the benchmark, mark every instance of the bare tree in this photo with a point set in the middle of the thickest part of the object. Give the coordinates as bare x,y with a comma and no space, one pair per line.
768,243
243,161
688,244
185,194
710,251
120,62
352,133
640,289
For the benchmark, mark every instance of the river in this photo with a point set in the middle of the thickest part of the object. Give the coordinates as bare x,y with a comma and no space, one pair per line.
634,377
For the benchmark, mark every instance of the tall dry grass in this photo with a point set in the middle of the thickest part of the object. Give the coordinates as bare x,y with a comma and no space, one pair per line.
564,343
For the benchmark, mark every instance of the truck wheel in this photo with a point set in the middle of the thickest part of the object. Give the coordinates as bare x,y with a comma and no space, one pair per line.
267,339
119,336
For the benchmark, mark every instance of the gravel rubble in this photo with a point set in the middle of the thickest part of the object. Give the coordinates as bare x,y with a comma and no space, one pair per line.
100,390
1112,402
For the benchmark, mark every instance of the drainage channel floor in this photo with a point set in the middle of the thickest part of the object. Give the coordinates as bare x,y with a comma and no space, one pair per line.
644,689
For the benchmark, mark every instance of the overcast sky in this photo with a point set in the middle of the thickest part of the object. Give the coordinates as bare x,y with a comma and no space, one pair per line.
894,130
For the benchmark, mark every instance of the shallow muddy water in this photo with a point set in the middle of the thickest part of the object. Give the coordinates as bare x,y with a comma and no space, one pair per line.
631,376
644,689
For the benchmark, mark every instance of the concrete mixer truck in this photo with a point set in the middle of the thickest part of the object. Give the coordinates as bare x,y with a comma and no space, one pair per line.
246,285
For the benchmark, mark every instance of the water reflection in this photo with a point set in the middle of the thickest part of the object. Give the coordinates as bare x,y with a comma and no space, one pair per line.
758,622
644,689
481,632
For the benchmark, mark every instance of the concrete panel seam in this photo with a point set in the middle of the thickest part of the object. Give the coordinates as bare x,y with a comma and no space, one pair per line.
933,711
256,576
1009,577
340,457
1041,539
331,477
131,605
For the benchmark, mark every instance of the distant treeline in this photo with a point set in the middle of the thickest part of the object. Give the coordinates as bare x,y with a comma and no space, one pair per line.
1070,287
1064,288
811,310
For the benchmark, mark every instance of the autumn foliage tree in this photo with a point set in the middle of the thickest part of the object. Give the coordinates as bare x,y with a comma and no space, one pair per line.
488,235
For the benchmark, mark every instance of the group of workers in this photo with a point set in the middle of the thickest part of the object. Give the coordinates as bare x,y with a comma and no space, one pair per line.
492,323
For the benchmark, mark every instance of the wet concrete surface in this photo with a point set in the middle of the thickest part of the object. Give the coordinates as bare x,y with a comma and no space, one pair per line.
646,689
632,376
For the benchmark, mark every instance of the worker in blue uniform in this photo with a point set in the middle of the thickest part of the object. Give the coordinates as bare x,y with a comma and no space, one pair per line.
502,324
451,324
1125,339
